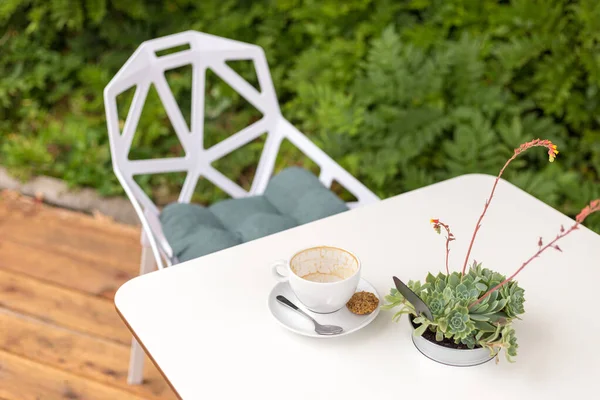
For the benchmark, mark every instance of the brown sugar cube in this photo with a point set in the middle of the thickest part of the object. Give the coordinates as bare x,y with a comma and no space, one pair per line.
362,303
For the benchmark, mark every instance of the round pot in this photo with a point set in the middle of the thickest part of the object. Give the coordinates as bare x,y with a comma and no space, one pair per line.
449,356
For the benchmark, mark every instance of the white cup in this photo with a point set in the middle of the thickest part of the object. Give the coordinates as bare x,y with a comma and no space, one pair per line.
323,278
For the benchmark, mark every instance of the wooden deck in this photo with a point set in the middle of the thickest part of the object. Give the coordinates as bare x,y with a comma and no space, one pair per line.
60,336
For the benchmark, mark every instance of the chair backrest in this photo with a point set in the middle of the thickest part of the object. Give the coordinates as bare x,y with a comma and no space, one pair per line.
145,68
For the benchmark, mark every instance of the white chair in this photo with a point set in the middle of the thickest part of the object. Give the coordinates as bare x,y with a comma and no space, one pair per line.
145,68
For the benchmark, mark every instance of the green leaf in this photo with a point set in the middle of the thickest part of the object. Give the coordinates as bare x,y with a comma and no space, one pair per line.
484,326
399,314
453,280
430,279
448,294
498,316
420,330
439,335
8,7
96,10
479,317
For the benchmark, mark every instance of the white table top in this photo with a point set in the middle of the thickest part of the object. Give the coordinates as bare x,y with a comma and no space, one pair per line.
206,323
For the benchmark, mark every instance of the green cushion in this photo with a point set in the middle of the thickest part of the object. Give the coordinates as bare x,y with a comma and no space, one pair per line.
262,224
233,212
293,197
285,189
315,204
185,225
205,240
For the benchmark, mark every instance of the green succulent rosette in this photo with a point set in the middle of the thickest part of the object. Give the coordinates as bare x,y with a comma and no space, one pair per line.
451,298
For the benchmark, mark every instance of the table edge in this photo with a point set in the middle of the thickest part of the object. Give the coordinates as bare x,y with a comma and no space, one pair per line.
147,353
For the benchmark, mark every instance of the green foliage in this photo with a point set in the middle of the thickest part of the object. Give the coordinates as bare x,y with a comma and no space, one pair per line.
450,299
402,93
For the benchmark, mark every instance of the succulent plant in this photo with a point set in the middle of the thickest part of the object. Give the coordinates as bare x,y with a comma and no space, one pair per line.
457,323
449,298
515,296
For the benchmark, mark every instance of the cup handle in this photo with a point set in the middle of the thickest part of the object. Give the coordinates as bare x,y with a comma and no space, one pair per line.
278,275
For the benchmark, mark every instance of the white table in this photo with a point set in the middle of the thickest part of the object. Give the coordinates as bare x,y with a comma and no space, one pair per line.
207,326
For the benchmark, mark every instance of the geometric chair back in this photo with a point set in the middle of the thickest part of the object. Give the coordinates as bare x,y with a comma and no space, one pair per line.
144,68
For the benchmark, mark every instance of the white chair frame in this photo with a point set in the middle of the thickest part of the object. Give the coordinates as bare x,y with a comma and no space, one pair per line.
205,51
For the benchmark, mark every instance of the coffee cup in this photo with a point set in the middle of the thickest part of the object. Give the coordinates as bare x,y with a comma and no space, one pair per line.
323,278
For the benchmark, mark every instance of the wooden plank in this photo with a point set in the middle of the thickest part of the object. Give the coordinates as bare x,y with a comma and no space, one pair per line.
97,359
54,267
21,206
52,245
60,306
22,379
49,214
101,244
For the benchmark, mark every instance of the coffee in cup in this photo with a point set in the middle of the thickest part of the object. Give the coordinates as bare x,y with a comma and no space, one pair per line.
323,278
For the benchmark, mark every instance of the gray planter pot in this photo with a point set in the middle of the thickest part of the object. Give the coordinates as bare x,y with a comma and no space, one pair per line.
450,356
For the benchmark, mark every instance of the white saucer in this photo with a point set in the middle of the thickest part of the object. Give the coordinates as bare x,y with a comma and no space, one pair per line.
295,322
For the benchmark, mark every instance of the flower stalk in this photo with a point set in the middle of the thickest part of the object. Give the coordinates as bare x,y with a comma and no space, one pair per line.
437,225
593,207
552,153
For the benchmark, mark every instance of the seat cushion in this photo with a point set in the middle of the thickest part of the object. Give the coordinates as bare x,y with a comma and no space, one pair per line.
293,197
233,212
263,224
186,225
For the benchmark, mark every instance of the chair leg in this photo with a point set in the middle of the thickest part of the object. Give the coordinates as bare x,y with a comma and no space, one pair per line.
137,355
136,364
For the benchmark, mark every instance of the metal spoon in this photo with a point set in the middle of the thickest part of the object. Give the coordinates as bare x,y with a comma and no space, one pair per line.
320,329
